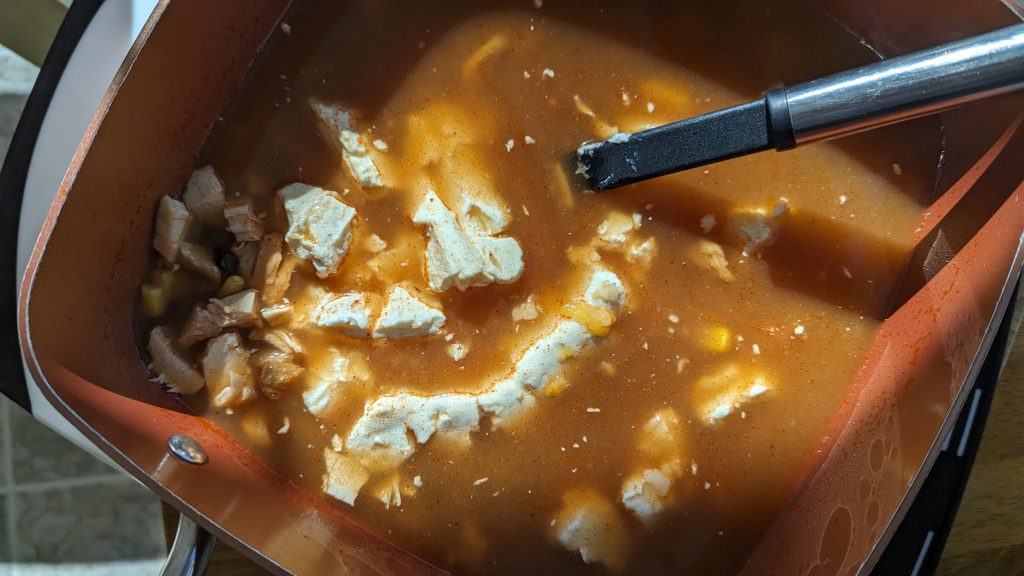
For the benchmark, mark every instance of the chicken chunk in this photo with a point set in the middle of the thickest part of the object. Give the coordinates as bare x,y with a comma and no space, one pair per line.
227,372
278,313
319,226
277,364
172,221
246,252
199,259
236,311
242,219
204,197
172,367
273,270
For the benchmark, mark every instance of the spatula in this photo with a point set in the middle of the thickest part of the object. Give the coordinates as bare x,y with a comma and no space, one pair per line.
882,93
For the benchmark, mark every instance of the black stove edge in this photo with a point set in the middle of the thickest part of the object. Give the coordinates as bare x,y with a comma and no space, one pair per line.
12,188
916,547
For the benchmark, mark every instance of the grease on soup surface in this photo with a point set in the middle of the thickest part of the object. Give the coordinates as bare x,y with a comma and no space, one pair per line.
387,279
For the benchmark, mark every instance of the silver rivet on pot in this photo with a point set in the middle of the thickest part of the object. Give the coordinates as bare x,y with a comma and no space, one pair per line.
187,449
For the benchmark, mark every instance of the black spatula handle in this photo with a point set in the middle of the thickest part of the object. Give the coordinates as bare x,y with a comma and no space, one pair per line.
882,93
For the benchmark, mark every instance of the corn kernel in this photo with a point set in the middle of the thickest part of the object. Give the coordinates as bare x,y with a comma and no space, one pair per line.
555,386
232,285
154,300
597,321
717,338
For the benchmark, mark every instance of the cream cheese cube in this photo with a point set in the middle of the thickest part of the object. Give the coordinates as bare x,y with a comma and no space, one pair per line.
645,493
336,125
452,260
319,226
405,315
383,429
344,476
588,523
730,389
351,312
462,252
327,384
661,437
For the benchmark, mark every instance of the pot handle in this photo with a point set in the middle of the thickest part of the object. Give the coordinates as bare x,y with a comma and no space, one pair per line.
190,551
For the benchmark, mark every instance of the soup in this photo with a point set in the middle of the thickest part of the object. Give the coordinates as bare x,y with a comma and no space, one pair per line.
386,277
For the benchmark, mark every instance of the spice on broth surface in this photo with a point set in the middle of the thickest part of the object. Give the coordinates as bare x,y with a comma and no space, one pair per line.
385,279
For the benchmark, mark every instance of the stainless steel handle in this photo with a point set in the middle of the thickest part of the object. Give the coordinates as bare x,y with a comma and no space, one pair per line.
908,86
190,551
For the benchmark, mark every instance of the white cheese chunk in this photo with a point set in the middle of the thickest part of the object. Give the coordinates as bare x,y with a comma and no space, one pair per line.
527,310
319,226
375,244
405,315
481,218
642,251
351,312
452,260
757,227
344,476
605,290
389,491
727,390
336,125
457,351
645,493
710,256
661,437
707,223
617,233
382,429
588,523
462,252
328,383
616,229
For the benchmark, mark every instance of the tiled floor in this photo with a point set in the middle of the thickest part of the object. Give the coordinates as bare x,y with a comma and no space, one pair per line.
60,505
62,511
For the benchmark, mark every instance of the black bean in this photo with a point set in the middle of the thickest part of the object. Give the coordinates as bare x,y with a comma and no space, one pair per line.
228,263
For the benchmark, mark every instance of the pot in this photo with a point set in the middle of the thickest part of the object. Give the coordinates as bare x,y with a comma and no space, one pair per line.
76,313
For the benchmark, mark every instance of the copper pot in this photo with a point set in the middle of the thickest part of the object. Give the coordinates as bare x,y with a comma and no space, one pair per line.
76,305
